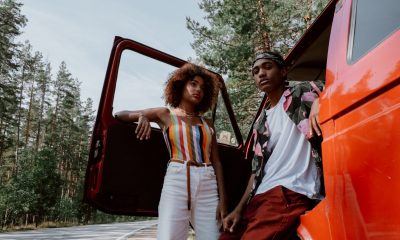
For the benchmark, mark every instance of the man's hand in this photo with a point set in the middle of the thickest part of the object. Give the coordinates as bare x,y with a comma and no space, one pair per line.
229,223
143,128
314,119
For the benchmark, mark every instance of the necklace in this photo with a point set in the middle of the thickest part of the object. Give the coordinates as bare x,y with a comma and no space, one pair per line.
188,114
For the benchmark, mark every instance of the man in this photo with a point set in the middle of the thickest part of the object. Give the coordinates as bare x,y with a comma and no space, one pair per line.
286,168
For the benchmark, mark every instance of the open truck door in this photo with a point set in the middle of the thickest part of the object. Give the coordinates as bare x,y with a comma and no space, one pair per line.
125,174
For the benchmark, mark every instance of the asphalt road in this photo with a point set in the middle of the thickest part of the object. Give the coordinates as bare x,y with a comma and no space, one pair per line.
115,231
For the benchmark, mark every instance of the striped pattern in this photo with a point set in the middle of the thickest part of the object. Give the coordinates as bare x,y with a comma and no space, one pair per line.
187,141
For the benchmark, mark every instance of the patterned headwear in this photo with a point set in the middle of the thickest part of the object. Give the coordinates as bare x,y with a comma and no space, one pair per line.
271,56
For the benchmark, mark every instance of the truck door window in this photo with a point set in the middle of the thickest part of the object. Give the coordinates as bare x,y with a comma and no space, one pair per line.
372,21
140,82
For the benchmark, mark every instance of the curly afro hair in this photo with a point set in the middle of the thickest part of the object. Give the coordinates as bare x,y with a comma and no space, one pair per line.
177,80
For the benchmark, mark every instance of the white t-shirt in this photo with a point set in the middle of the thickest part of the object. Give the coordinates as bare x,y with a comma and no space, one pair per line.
290,163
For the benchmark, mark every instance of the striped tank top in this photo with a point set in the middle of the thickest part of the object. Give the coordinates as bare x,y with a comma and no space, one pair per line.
188,141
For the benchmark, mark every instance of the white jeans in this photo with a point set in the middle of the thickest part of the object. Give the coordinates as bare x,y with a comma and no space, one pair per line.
173,213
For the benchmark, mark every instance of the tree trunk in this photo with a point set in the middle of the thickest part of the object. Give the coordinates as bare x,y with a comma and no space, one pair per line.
41,110
307,17
17,145
5,218
264,44
2,144
28,115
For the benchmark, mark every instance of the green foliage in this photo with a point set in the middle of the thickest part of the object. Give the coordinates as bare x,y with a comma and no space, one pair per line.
11,20
47,181
235,30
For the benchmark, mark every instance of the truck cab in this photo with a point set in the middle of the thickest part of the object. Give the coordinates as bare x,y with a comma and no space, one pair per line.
356,45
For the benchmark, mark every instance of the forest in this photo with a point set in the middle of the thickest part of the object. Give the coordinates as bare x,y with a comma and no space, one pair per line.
45,126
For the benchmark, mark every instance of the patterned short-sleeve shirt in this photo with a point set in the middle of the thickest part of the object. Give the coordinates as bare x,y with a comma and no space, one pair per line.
297,104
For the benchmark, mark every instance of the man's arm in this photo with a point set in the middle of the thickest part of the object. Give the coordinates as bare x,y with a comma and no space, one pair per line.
314,119
234,217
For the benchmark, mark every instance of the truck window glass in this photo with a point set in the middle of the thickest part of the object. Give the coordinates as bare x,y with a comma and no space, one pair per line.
140,82
372,22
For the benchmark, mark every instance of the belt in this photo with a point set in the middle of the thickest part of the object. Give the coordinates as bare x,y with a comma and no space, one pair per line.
188,164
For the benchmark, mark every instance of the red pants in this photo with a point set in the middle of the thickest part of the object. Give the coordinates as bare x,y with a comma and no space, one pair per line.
271,215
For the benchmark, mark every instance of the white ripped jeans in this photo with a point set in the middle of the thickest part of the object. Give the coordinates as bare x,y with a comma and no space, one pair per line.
174,216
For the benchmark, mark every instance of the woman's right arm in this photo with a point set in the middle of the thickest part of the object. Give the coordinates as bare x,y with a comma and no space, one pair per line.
144,117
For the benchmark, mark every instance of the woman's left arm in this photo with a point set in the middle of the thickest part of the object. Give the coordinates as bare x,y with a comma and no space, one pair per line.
223,211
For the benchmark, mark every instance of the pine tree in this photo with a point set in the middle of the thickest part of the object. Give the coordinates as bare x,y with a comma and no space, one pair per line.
44,82
68,137
11,21
236,30
22,78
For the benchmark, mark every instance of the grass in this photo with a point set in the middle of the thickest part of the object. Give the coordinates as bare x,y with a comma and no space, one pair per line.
33,227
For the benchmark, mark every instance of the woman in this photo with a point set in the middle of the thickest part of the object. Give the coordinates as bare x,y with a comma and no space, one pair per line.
190,191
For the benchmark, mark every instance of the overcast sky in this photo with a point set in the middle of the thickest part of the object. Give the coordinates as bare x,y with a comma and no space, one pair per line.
81,32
